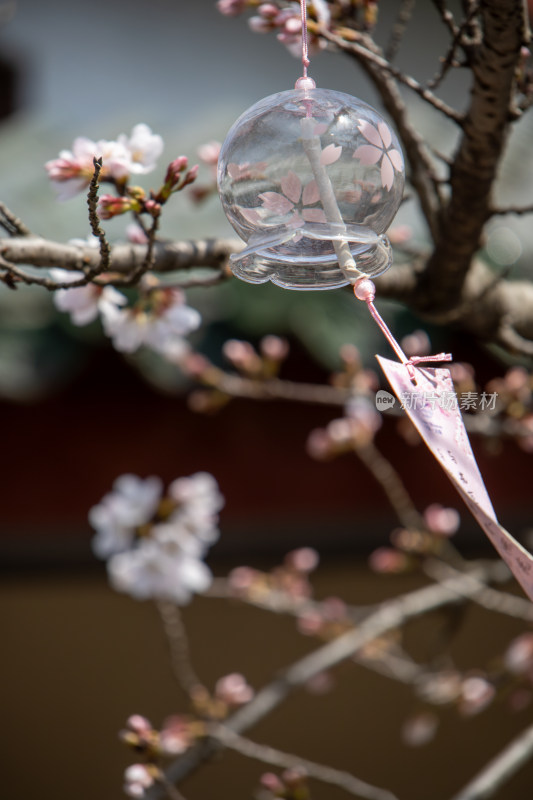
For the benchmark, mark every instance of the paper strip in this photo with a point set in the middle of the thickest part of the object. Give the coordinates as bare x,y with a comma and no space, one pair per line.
441,426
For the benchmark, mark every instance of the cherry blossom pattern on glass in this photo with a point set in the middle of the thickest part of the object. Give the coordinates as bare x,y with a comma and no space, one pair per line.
312,216
380,148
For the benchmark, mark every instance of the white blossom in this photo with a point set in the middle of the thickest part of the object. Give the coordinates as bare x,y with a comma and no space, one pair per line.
198,500
132,503
162,330
83,303
144,148
159,568
72,171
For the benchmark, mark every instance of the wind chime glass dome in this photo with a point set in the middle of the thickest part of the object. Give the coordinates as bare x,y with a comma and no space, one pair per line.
311,179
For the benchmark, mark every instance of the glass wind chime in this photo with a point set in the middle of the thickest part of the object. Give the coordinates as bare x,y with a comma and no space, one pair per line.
311,179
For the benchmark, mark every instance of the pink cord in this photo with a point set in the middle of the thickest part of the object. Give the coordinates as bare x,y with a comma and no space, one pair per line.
305,48
364,289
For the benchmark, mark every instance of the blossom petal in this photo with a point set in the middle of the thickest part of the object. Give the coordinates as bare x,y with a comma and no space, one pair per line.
397,160
370,133
251,215
310,194
291,186
314,215
275,202
234,171
385,134
330,154
387,172
368,154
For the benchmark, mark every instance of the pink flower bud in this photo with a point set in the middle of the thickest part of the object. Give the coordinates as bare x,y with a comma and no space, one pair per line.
110,206
231,8
518,658
419,729
442,521
305,559
175,736
476,694
416,344
274,348
387,560
233,690
271,782
241,579
139,724
319,444
209,152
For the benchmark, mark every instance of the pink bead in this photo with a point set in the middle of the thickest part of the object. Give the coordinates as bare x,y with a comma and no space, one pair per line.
303,84
364,289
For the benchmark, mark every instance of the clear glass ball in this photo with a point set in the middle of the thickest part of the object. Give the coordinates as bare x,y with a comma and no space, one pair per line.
311,179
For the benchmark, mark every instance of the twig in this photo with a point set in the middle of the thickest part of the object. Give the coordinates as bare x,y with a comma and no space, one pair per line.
97,230
371,56
11,223
492,599
273,388
391,483
178,644
446,16
148,261
277,758
389,616
500,769
170,790
279,602
403,17
519,210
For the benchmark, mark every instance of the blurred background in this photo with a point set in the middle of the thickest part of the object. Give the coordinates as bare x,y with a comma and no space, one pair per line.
77,659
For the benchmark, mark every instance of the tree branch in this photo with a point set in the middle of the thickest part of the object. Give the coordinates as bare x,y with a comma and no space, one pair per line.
277,758
500,769
475,164
389,616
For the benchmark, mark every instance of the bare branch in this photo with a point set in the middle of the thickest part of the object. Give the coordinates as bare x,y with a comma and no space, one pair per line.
393,486
11,223
364,53
277,758
92,203
518,210
178,644
403,17
391,615
500,769
479,153
167,256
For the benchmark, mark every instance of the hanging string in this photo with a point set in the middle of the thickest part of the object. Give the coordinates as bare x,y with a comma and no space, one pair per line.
305,44
365,290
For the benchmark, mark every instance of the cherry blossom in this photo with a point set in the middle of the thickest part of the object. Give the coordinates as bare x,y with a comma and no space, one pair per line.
160,324
155,545
72,171
144,148
198,502
83,303
131,504
159,568
379,149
